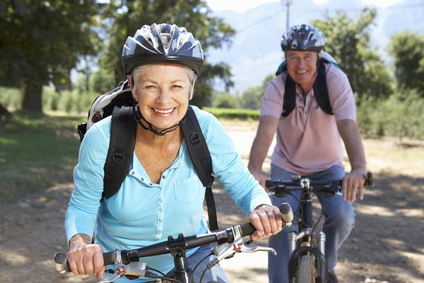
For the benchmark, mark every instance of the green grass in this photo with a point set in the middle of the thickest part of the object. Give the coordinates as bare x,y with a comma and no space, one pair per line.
36,152
239,114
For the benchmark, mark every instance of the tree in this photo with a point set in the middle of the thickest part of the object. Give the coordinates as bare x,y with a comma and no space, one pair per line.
130,15
224,100
40,42
407,49
348,42
251,97
101,82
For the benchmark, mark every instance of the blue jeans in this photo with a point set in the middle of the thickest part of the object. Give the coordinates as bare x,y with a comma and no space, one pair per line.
339,221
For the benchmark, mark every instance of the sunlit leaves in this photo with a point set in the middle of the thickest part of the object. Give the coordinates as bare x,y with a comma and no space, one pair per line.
407,48
347,40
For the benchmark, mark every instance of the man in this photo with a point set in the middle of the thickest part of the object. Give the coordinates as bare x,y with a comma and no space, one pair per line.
309,142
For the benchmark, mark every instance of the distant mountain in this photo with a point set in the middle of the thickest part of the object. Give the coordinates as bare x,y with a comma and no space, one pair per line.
256,52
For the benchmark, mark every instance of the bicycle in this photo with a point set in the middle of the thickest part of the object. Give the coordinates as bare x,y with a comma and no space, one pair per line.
126,262
306,260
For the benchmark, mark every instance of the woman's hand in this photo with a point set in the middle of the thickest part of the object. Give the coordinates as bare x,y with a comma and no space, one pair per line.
267,220
85,258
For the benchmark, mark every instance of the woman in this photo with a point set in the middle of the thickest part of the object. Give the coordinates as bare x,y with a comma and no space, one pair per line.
162,194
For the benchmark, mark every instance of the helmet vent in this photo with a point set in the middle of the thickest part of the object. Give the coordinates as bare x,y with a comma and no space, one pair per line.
166,40
311,35
149,40
301,37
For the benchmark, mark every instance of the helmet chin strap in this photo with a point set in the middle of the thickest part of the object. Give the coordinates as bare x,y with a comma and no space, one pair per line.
138,117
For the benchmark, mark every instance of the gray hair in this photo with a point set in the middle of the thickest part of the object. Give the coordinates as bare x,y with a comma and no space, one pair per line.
140,69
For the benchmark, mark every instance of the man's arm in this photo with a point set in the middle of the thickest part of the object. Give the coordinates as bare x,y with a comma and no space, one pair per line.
355,151
262,142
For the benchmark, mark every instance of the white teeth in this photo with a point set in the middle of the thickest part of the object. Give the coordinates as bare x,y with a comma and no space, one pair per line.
163,111
300,72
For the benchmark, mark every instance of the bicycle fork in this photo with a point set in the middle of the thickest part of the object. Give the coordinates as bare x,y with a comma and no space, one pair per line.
306,236
294,237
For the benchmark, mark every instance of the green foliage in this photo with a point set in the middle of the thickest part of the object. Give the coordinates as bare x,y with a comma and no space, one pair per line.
251,97
348,42
194,15
101,82
223,100
41,41
399,115
38,152
239,114
11,97
68,101
407,49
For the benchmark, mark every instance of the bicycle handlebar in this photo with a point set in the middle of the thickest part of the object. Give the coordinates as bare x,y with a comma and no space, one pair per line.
127,256
369,182
228,235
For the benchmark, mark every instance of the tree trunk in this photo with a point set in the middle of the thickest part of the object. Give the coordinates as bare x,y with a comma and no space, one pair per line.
32,97
5,116
68,80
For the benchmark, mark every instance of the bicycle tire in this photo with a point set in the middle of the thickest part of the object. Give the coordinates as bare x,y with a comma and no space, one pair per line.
306,270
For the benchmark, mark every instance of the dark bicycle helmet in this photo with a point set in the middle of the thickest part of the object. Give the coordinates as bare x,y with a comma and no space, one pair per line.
162,43
303,37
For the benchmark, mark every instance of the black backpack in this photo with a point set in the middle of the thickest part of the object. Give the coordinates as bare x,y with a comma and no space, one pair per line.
119,104
320,87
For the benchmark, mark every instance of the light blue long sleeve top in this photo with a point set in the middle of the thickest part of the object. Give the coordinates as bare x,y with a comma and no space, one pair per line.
142,213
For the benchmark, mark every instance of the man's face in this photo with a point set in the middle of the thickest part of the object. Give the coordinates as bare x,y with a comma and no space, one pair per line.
302,67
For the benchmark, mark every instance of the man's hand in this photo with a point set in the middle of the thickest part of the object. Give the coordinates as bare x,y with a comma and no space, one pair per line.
85,258
351,182
267,220
260,177
353,144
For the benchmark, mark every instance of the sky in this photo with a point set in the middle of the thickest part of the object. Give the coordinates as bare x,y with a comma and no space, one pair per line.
242,5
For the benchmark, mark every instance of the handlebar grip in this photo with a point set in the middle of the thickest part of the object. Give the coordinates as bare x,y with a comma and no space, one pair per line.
369,182
62,265
247,229
268,183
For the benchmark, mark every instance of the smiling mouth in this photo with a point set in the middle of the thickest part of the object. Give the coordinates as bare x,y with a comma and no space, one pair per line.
163,111
301,72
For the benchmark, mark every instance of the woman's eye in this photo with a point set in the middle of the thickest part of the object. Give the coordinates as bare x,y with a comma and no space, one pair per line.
177,86
150,87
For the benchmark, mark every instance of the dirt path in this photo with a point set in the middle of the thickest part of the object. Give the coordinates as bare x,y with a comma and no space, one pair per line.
386,244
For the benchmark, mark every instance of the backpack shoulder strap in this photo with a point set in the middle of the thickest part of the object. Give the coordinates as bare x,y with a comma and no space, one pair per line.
321,91
289,96
121,148
201,158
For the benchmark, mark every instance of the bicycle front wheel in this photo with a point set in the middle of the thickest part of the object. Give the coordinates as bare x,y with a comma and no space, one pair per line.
306,271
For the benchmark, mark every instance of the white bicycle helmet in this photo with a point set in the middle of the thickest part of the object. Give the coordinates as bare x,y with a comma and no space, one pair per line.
302,38
162,43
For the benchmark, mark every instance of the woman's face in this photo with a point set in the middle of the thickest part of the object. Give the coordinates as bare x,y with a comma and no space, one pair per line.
163,93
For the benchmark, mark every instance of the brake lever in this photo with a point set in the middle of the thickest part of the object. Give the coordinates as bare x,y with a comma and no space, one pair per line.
228,250
134,269
111,278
